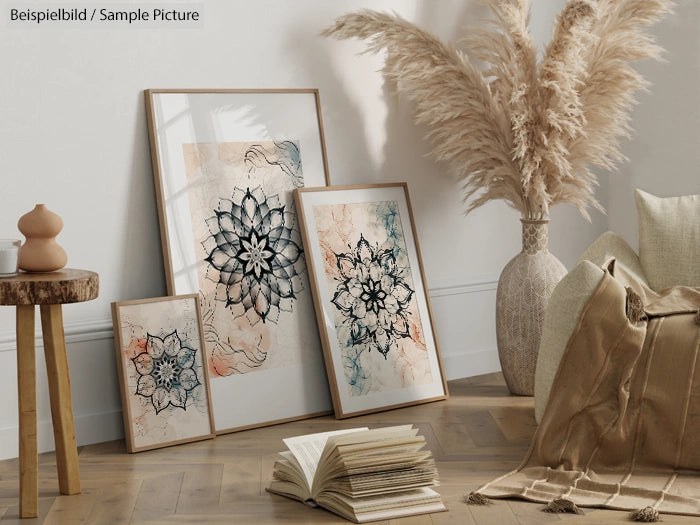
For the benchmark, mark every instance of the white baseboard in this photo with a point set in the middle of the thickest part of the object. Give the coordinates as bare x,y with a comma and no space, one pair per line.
74,331
108,426
93,428
469,364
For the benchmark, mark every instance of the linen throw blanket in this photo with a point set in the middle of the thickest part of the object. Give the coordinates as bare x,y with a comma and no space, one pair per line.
622,425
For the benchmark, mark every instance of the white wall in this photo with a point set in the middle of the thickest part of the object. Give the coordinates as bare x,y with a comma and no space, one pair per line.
665,150
73,136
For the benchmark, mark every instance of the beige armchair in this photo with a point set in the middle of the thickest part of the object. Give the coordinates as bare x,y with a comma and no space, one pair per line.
669,254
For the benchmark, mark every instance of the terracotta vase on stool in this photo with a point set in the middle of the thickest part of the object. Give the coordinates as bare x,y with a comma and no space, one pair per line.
41,252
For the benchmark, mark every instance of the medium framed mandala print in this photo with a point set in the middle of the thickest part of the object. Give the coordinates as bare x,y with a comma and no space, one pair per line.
162,372
372,308
225,165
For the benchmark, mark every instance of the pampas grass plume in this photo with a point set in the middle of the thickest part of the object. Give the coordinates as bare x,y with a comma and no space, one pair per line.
525,132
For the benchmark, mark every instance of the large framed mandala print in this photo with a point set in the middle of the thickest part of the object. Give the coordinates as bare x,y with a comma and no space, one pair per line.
162,372
225,164
372,308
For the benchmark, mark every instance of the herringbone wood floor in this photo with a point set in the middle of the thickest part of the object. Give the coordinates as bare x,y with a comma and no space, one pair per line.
480,433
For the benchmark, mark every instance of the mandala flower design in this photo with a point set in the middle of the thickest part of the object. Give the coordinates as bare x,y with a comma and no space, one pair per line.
166,373
373,297
255,255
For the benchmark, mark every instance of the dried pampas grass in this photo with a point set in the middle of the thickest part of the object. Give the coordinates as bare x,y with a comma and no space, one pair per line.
522,131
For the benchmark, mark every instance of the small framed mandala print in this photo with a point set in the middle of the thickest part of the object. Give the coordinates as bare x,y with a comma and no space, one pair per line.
372,308
163,380
225,164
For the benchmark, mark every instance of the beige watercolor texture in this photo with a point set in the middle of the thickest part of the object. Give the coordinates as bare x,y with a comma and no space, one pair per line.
261,317
367,272
164,408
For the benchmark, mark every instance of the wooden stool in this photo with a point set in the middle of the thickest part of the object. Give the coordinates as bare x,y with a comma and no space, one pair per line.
49,291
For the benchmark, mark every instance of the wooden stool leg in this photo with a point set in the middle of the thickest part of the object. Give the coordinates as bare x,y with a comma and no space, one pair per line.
61,403
26,393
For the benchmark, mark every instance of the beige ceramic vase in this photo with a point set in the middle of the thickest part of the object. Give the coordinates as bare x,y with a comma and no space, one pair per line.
41,252
524,288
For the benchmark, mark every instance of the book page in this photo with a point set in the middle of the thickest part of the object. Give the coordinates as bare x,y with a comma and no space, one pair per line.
377,436
307,449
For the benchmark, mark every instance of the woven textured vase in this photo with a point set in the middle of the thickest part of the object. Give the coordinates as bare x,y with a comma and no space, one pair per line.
524,288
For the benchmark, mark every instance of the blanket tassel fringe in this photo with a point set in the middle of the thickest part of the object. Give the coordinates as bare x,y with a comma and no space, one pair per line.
634,307
562,505
474,498
647,515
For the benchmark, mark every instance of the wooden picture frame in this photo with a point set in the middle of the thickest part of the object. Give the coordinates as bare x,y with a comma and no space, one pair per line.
162,374
372,305
225,163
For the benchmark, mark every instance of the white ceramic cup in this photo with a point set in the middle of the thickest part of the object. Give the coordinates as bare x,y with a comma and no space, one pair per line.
9,255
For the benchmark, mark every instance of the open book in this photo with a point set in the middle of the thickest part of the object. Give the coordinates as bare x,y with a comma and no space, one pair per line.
360,474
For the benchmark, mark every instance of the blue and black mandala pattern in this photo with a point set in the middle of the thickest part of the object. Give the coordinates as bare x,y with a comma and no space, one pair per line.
166,372
254,255
373,297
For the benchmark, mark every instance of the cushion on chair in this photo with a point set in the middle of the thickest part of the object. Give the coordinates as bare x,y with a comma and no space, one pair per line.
669,239
669,255
610,245
560,320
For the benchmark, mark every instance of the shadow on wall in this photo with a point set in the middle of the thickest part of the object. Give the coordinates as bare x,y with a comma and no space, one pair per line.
142,264
433,185
342,122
